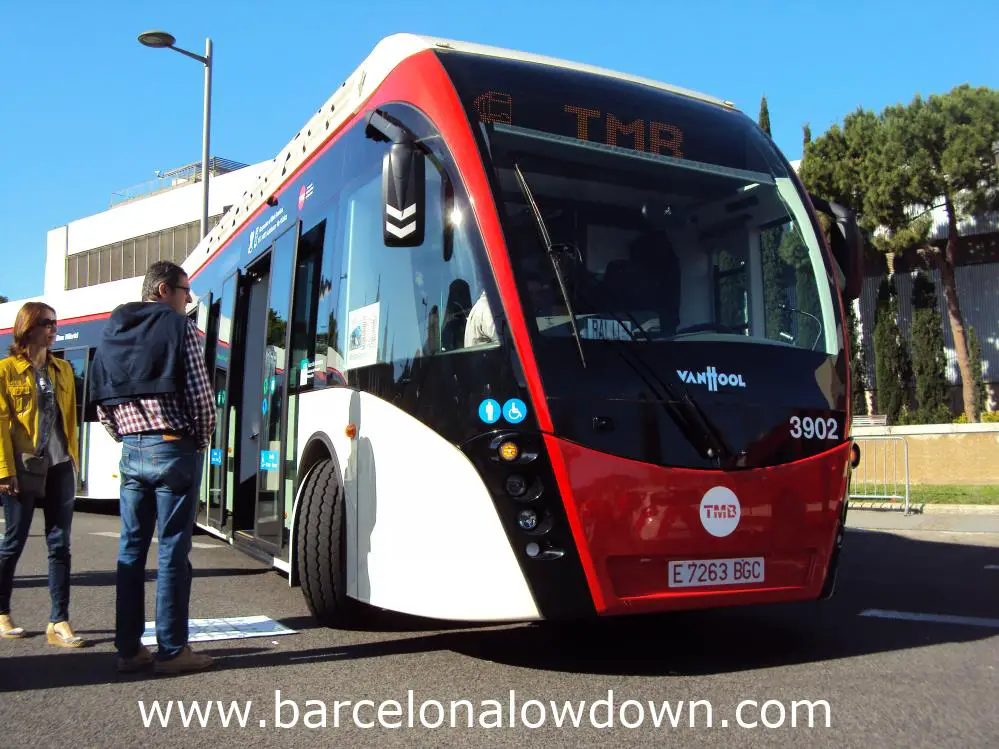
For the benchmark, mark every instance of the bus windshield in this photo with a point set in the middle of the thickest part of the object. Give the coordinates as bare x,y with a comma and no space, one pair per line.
669,219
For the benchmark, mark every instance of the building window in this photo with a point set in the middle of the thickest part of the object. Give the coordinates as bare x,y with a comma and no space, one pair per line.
132,257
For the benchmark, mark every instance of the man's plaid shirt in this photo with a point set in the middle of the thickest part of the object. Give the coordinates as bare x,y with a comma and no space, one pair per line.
193,414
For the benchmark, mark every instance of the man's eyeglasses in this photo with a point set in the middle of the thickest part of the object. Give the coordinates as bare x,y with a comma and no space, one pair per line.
182,288
50,324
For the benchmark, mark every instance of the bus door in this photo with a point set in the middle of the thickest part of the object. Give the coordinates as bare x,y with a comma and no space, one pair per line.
260,512
221,453
79,359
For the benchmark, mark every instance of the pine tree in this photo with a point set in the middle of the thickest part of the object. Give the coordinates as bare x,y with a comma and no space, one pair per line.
975,354
764,119
858,364
928,360
806,138
773,269
892,365
794,254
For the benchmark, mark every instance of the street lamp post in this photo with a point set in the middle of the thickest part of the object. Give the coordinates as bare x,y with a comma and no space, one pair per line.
158,39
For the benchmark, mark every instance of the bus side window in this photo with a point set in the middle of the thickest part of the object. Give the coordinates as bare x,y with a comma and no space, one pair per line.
464,319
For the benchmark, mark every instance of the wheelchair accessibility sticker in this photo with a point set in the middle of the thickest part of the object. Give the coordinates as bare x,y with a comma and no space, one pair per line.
514,410
216,457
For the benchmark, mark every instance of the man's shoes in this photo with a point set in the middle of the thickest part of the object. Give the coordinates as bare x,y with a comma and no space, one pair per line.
139,661
61,635
8,630
186,661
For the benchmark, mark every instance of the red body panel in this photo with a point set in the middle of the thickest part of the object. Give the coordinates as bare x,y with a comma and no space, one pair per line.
634,518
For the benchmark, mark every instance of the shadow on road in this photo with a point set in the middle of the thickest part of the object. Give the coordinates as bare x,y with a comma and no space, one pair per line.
99,578
879,571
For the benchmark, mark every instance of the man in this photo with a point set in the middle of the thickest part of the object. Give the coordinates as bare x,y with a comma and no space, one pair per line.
154,396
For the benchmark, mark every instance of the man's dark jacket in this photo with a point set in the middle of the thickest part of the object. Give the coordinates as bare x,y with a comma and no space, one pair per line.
140,354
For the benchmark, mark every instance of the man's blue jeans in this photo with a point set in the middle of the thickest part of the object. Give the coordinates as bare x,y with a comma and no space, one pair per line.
160,481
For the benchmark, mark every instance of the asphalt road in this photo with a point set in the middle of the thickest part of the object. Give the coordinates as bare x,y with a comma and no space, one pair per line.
888,682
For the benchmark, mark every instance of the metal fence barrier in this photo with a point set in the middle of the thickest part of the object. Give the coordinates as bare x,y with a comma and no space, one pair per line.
883,472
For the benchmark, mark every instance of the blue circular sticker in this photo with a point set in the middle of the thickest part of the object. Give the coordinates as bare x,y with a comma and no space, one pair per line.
514,410
489,411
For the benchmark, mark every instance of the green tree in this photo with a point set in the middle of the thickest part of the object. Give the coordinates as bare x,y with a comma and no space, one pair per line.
975,352
929,363
858,364
764,118
774,272
3,299
895,167
794,255
806,138
276,329
892,364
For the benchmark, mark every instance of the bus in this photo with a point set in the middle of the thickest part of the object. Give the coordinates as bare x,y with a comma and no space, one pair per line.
500,337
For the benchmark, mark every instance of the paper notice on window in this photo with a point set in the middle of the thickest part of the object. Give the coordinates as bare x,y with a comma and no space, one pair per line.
607,330
362,337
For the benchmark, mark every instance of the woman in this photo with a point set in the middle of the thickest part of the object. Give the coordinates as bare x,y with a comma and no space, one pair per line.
38,460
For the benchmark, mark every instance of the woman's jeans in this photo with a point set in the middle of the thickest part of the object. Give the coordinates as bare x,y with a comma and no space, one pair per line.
18,509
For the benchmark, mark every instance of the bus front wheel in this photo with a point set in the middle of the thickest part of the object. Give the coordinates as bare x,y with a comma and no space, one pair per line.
322,548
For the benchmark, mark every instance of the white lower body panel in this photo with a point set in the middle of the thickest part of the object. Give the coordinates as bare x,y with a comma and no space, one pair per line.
423,534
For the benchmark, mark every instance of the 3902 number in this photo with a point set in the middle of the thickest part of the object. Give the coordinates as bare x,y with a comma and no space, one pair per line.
818,429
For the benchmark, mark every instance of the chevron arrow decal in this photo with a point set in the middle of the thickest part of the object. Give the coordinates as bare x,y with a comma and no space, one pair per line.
405,231
400,215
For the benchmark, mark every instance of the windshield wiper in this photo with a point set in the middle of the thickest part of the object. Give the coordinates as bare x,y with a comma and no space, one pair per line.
691,419
552,256
693,422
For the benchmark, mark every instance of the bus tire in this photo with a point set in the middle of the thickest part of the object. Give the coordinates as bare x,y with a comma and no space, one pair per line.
322,548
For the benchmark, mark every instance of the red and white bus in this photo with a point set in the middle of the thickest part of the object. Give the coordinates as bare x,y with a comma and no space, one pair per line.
503,338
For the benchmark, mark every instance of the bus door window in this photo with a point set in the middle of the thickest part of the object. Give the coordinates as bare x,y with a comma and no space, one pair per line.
79,360
220,454
270,511
303,363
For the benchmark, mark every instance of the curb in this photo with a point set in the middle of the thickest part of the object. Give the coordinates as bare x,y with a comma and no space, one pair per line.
926,509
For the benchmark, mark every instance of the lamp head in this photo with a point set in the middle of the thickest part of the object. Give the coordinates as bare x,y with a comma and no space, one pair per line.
157,39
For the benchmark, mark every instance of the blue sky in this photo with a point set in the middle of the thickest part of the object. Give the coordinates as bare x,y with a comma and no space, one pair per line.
86,110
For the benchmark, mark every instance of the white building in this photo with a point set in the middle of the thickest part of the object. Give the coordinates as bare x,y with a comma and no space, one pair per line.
96,262
158,220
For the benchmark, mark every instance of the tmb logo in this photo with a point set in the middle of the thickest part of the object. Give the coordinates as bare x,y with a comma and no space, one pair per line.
711,378
720,511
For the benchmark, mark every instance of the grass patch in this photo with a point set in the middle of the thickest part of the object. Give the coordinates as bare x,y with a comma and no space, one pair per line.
952,494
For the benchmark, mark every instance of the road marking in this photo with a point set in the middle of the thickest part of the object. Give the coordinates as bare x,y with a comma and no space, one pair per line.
992,566
225,628
974,621
195,544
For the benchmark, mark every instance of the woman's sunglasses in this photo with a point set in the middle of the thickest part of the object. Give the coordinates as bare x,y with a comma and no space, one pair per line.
50,324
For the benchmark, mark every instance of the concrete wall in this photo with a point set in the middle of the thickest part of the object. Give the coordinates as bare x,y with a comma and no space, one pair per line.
938,453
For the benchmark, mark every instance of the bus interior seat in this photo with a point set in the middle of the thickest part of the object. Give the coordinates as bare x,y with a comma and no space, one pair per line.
648,281
459,303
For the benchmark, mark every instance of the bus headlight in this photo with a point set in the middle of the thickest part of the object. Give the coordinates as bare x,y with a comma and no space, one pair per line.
527,519
516,485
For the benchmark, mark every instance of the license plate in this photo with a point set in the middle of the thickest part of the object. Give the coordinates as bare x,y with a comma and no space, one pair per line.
703,572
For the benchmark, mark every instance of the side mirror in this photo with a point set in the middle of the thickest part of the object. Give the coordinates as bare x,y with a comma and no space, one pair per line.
403,183
847,245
